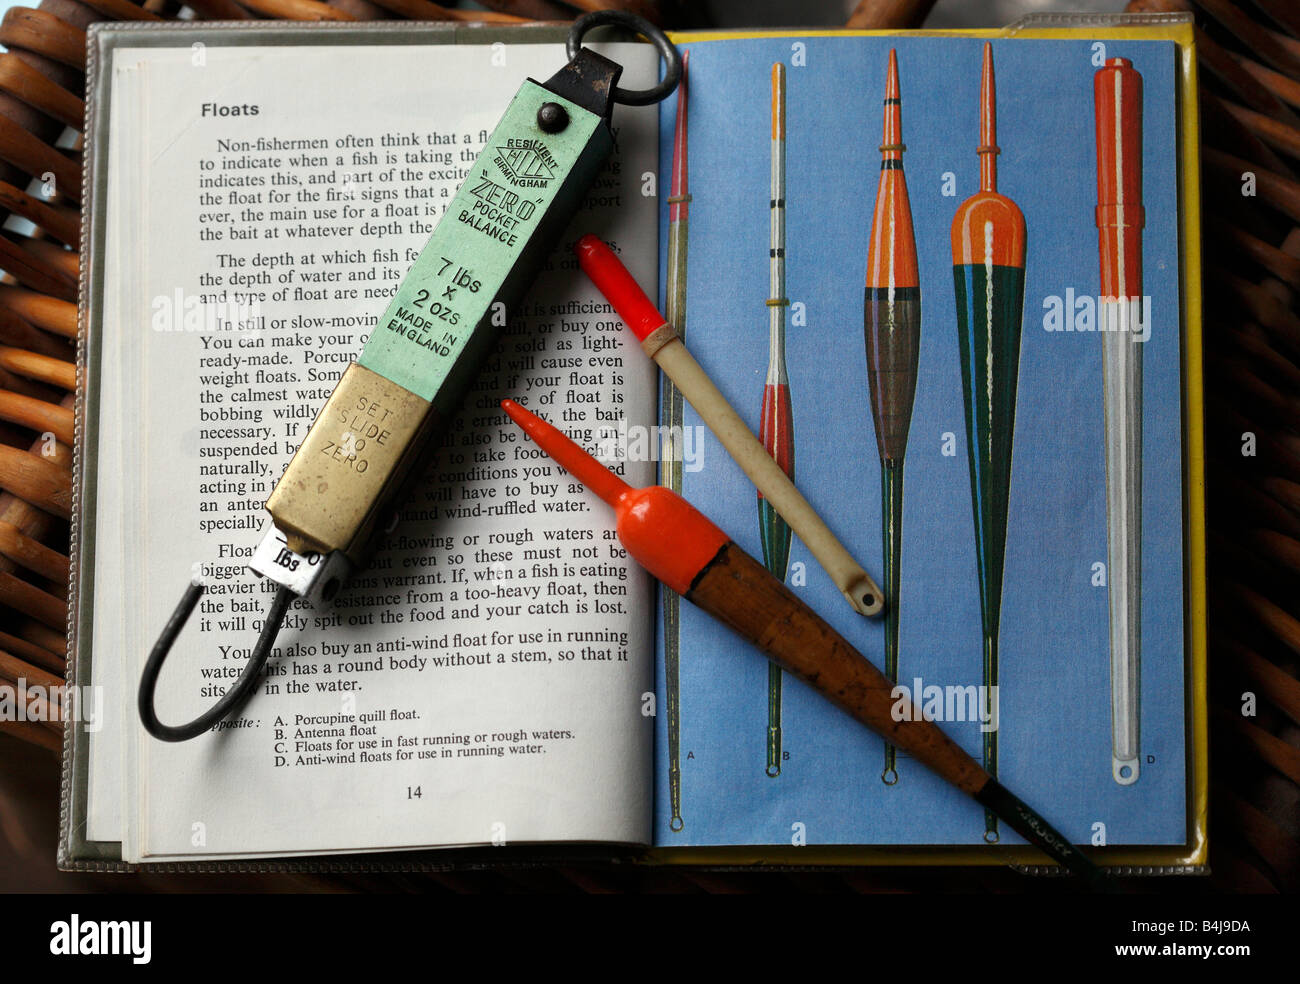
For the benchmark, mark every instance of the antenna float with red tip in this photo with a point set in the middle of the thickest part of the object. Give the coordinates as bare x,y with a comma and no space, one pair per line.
682,548
660,341
776,423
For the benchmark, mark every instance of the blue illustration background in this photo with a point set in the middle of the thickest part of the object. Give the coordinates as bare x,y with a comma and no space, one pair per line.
1055,736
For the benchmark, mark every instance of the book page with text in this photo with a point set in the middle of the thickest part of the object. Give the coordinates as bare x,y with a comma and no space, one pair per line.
482,681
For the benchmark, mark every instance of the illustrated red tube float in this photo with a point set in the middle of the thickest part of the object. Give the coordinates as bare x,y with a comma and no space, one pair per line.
1117,92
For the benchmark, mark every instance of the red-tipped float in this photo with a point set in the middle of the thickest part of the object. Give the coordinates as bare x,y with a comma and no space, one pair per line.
660,341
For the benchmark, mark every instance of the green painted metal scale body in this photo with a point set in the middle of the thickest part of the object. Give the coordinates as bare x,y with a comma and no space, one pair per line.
425,351
485,252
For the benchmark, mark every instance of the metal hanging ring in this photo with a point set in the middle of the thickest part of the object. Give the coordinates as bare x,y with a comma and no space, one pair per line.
637,25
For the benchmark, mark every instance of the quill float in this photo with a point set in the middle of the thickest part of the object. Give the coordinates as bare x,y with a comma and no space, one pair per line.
891,321
659,340
679,211
988,268
680,546
347,478
776,429
1117,93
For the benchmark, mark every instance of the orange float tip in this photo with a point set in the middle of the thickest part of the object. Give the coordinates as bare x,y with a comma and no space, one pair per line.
778,101
576,461
892,145
620,288
666,535
988,149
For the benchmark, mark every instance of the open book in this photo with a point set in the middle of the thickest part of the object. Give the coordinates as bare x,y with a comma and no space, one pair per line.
503,675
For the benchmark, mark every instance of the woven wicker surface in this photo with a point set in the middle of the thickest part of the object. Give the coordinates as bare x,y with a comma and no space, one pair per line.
1250,66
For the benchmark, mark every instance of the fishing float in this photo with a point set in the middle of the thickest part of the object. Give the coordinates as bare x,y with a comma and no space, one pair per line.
1117,95
776,428
681,547
891,321
679,210
988,267
660,341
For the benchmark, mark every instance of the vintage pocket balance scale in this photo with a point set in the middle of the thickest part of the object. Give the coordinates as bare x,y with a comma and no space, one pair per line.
346,481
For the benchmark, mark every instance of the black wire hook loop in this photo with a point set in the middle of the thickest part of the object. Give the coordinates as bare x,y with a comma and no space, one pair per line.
233,698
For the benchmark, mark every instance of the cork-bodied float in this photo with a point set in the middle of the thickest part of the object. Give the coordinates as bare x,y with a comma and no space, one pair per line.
988,268
681,547
891,322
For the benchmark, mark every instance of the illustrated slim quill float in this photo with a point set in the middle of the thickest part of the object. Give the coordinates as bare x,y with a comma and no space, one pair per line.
988,266
347,478
659,340
1117,92
891,320
683,549
679,213
776,429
